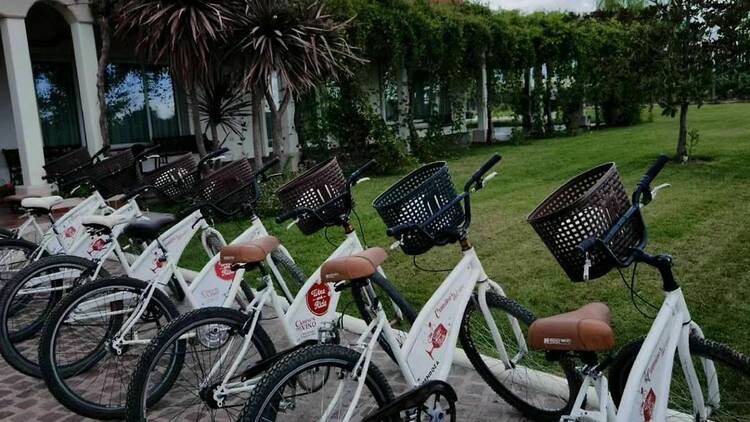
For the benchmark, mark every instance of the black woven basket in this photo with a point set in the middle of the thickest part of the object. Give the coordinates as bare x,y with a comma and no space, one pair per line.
316,189
415,199
68,162
175,180
117,174
230,188
585,207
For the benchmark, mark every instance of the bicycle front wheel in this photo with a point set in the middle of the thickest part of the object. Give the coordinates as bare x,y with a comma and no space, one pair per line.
731,373
206,343
316,383
27,300
87,352
15,255
540,389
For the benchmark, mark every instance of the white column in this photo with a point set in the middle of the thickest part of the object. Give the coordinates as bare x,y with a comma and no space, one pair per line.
87,66
23,105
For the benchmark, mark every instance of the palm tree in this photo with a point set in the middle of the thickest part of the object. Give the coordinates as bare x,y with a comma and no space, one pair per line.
183,33
294,43
221,103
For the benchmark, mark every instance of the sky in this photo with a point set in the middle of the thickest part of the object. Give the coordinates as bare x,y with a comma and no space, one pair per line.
543,5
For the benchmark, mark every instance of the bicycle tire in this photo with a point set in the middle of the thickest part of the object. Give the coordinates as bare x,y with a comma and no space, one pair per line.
137,402
736,369
7,234
29,249
264,398
8,339
362,302
59,378
289,269
470,339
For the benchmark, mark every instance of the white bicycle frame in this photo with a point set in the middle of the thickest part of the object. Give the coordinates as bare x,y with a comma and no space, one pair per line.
646,394
94,247
66,234
311,311
215,285
429,348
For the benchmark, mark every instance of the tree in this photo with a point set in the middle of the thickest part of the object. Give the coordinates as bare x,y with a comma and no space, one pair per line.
185,33
294,43
686,64
221,101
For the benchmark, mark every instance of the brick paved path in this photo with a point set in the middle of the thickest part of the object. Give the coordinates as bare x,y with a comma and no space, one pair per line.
25,399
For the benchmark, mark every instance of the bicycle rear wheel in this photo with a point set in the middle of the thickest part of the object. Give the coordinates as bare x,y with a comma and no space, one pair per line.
732,374
539,388
15,255
282,395
82,365
197,340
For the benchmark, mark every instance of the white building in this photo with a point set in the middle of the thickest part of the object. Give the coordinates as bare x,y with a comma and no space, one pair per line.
48,94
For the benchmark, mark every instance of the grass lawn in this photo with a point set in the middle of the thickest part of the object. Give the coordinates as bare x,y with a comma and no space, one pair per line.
702,221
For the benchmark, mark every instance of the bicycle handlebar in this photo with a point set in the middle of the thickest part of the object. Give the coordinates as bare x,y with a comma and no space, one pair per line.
210,156
643,189
475,183
354,177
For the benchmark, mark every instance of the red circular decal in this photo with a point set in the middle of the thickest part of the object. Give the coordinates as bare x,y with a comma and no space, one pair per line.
70,232
318,299
224,271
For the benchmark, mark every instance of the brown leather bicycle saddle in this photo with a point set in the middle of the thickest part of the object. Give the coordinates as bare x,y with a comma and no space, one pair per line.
354,267
251,252
586,329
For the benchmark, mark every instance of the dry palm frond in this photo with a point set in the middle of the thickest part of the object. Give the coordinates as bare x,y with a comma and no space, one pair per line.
181,32
222,102
295,40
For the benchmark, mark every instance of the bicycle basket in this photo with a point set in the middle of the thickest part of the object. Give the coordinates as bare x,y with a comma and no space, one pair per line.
175,180
319,188
229,188
585,207
417,199
117,174
68,162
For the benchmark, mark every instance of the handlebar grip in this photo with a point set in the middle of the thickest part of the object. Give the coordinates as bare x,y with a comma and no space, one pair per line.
268,165
286,215
355,176
654,170
396,230
488,165
219,152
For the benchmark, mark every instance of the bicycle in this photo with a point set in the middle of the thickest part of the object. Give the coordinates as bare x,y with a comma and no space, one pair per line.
224,371
642,372
30,295
421,211
65,235
98,330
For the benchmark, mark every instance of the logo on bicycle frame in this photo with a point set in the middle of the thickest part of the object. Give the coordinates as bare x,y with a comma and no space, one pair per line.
647,408
436,338
69,232
97,246
319,299
224,271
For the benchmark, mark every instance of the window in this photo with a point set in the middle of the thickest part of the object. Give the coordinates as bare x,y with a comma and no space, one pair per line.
140,103
56,100
430,98
390,98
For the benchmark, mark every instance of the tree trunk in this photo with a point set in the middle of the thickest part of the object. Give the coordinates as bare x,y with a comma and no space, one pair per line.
278,138
537,120
490,125
101,77
215,136
549,124
258,140
682,138
526,102
195,114
413,134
